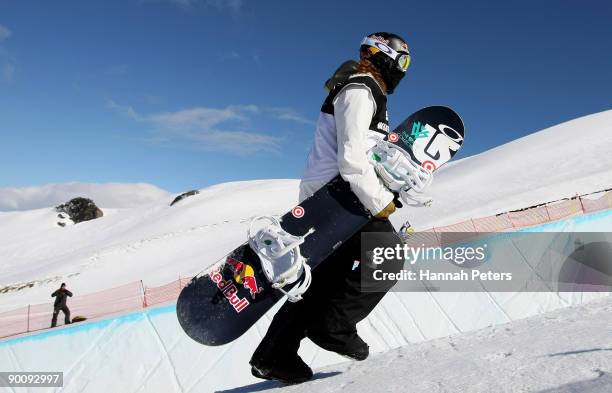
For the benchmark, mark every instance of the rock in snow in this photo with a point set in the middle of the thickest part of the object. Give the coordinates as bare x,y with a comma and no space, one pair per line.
184,195
80,209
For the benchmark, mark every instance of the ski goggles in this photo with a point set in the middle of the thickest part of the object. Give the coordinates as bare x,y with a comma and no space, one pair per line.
402,60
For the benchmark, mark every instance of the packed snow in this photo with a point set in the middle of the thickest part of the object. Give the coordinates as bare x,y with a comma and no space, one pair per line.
147,351
564,351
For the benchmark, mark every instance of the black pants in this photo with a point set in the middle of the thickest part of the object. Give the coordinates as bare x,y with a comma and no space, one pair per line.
56,311
332,306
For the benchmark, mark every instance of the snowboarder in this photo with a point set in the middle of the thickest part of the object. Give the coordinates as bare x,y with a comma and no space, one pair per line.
352,116
61,295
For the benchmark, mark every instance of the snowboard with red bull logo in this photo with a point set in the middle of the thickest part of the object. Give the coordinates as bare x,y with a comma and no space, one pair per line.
227,299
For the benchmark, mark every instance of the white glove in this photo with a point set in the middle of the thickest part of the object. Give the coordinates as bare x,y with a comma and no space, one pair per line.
397,170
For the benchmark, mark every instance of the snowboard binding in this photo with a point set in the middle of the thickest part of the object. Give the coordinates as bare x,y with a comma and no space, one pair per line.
400,173
280,256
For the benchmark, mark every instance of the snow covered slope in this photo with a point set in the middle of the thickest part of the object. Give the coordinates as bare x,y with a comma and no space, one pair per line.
155,243
147,352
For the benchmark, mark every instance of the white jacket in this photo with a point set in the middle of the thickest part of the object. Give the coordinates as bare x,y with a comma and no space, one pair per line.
340,145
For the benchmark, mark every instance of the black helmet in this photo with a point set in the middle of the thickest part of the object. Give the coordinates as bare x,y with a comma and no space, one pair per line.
389,53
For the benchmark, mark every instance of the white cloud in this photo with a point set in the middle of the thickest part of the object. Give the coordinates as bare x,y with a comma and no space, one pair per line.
106,195
236,142
194,119
4,33
7,72
201,117
206,128
217,129
291,115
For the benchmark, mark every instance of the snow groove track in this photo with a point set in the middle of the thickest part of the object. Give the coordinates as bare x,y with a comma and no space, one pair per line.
148,352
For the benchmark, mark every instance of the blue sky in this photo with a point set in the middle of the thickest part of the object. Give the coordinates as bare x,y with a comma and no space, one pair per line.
188,93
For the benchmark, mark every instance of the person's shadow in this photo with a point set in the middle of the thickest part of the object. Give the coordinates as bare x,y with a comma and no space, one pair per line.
265,385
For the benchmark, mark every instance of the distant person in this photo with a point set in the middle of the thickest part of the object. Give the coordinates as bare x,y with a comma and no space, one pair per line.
61,295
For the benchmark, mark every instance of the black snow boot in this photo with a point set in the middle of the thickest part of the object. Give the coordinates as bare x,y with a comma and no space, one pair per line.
355,348
357,353
289,371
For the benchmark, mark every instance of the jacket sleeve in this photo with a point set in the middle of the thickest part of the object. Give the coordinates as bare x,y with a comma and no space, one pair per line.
54,294
353,111
68,293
